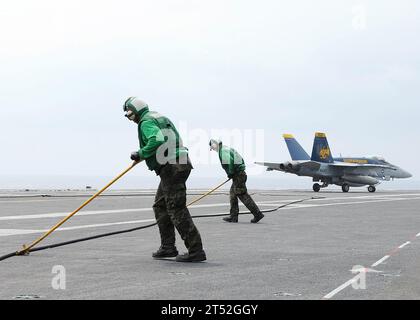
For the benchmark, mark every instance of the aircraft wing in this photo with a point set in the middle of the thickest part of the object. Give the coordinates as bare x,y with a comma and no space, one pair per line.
356,165
360,169
313,165
281,166
270,165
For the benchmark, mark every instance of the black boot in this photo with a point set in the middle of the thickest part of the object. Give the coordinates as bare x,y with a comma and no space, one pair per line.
192,257
165,252
231,219
257,217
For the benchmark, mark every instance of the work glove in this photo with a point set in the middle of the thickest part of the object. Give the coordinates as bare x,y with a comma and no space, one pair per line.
135,156
230,176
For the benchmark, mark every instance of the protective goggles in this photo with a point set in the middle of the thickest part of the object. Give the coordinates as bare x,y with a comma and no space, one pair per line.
130,115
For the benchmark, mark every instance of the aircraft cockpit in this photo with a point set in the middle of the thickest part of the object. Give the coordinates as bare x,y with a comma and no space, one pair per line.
381,160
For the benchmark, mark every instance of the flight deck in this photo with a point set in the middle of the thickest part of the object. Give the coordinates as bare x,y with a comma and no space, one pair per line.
342,246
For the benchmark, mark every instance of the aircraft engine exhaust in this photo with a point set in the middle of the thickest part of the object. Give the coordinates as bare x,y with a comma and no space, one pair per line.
294,166
290,166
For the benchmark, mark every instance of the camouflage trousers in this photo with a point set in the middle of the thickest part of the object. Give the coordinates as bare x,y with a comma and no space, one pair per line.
239,190
170,208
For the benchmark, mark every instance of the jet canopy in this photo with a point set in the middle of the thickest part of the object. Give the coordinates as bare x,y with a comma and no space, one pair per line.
380,159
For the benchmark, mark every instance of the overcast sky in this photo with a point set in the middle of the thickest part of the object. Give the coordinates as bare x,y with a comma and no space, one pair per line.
347,68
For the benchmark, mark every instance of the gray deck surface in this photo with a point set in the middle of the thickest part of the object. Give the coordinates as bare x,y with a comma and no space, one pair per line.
306,251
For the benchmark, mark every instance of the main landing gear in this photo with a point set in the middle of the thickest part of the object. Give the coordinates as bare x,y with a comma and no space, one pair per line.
345,187
371,189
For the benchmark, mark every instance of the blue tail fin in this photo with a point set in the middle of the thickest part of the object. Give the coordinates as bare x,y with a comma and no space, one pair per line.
321,151
295,149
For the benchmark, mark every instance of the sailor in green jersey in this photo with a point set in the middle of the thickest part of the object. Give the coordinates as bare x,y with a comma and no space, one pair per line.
162,149
234,165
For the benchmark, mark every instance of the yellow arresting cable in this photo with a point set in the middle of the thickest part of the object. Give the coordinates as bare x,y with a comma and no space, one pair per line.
33,244
26,249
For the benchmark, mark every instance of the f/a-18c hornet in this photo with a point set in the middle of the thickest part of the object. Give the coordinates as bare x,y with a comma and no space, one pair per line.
345,172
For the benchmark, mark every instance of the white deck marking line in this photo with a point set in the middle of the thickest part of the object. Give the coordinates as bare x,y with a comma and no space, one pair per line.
63,214
348,203
341,288
45,199
418,235
377,263
95,212
64,198
12,232
7,232
24,231
345,285
404,245
103,225
15,232
77,197
368,197
27,201
271,203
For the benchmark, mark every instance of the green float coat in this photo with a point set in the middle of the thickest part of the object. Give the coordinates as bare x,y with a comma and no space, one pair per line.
155,130
231,160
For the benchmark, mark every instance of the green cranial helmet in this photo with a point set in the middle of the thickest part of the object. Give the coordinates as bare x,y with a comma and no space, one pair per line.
134,107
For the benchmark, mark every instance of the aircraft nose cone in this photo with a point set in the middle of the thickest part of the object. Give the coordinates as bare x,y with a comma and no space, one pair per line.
407,174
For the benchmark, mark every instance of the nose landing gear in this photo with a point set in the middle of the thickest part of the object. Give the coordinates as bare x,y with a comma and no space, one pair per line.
317,187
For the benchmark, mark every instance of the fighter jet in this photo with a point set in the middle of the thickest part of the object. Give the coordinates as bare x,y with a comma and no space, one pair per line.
344,171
